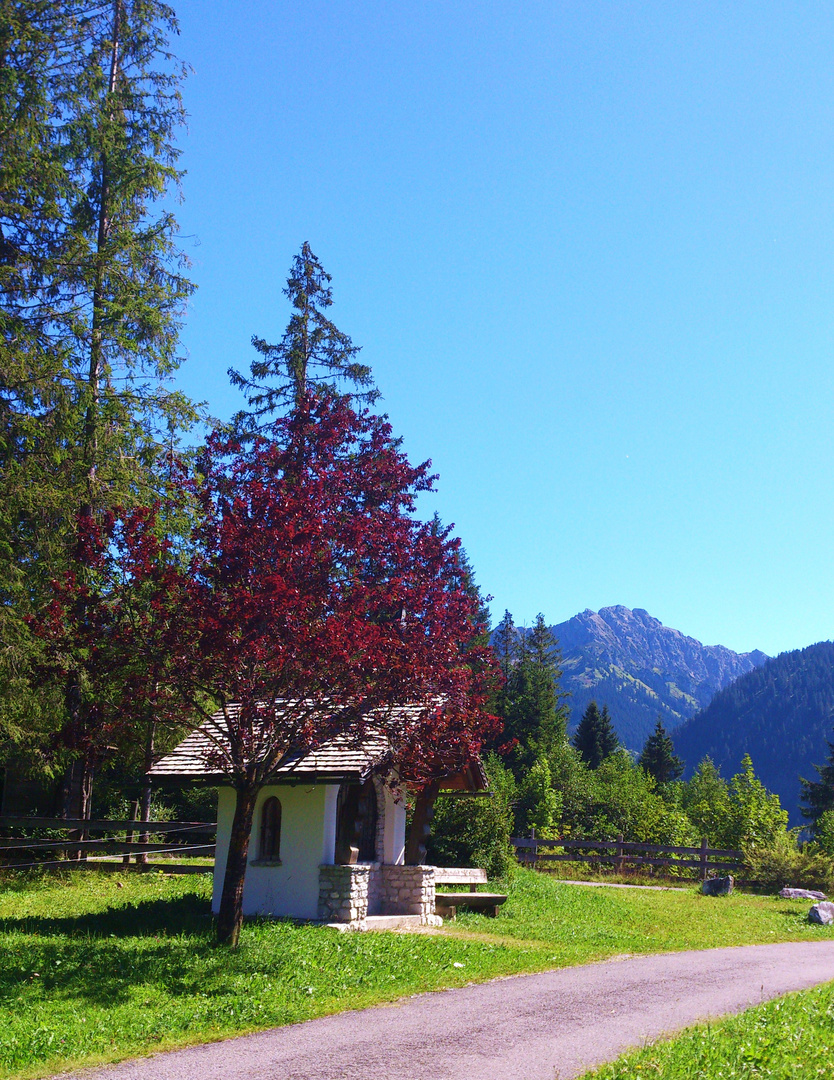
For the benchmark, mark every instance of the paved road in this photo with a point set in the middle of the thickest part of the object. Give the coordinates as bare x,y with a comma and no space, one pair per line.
529,1027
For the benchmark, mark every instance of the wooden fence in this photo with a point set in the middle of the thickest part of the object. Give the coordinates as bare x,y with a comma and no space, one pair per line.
622,854
27,842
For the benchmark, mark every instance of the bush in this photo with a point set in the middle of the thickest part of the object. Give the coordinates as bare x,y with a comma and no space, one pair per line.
783,862
824,832
476,831
537,805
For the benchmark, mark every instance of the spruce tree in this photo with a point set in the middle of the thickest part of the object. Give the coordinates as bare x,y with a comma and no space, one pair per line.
818,795
535,714
658,758
313,355
505,644
92,292
595,738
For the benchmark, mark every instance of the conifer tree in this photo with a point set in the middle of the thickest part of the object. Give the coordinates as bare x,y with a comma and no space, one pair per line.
658,758
92,291
595,738
313,355
506,644
535,715
818,795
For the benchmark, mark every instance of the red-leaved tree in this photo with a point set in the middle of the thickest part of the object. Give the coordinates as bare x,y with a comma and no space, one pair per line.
317,607
103,638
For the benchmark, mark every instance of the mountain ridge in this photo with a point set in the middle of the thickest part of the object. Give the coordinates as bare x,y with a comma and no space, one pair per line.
642,669
782,714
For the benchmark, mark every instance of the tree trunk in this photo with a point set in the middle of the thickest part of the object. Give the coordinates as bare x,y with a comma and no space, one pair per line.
145,805
71,804
230,918
91,422
86,800
415,851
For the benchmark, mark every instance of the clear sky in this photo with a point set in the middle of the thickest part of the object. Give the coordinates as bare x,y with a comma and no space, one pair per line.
587,251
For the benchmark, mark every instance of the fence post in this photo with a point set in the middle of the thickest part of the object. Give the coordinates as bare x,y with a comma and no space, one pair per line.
534,850
619,859
134,813
704,864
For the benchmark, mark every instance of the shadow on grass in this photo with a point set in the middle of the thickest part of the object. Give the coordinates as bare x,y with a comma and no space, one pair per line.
183,915
103,957
795,913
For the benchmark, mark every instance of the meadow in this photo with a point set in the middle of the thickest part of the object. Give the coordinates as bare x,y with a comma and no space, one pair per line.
97,967
791,1038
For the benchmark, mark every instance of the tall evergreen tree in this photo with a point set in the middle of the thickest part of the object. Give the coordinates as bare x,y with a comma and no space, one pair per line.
506,644
658,758
92,290
595,738
546,657
818,795
313,355
535,715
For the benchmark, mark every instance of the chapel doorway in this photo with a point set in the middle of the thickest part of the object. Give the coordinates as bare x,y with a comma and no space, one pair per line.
356,823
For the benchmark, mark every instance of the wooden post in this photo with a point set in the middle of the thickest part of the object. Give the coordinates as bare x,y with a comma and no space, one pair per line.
534,851
415,850
134,813
619,862
704,863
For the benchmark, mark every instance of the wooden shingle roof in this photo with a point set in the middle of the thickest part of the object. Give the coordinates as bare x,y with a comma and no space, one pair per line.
341,759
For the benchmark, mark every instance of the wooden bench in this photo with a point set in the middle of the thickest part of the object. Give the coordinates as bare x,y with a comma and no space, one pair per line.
446,904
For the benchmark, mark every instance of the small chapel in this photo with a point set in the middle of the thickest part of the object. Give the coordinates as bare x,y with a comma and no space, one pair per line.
328,838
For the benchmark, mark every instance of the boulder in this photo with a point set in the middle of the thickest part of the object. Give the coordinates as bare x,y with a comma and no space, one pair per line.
717,886
822,913
802,894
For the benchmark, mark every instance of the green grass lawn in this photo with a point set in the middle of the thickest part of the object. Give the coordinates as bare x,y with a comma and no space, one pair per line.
791,1038
96,967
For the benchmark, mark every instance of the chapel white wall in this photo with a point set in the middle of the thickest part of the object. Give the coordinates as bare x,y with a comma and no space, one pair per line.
308,824
308,841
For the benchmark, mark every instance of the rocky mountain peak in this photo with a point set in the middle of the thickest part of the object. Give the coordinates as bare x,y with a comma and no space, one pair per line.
642,669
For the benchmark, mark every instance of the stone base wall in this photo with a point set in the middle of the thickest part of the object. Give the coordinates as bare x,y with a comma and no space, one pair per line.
407,890
343,893
348,894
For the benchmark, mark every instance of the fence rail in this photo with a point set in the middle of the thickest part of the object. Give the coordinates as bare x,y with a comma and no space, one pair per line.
26,824
626,853
73,846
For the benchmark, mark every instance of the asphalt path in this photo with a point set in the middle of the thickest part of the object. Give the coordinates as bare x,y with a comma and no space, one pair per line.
528,1027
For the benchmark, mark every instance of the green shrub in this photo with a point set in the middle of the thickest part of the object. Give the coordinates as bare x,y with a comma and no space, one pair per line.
538,806
476,831
757,815
784,862
824,832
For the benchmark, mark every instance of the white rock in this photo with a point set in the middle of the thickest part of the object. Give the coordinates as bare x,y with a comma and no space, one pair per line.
822,913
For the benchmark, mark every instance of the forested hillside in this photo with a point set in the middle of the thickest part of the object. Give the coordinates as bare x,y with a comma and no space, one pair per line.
781,714
642,670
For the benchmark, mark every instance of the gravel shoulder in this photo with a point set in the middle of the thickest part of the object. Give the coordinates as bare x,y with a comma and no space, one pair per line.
551,1026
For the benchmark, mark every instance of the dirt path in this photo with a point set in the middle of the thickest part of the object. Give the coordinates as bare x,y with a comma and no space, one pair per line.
528,1027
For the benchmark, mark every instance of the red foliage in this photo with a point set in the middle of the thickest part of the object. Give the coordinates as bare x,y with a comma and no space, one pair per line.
99,630
319,605
316,603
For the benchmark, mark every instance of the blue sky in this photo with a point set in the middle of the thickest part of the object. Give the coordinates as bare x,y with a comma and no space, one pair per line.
587,251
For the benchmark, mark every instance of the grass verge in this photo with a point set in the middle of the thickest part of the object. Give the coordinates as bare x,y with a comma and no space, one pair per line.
100,967
791,1038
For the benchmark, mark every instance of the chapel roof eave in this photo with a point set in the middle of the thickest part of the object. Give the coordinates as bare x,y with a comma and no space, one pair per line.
341,760
337,761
